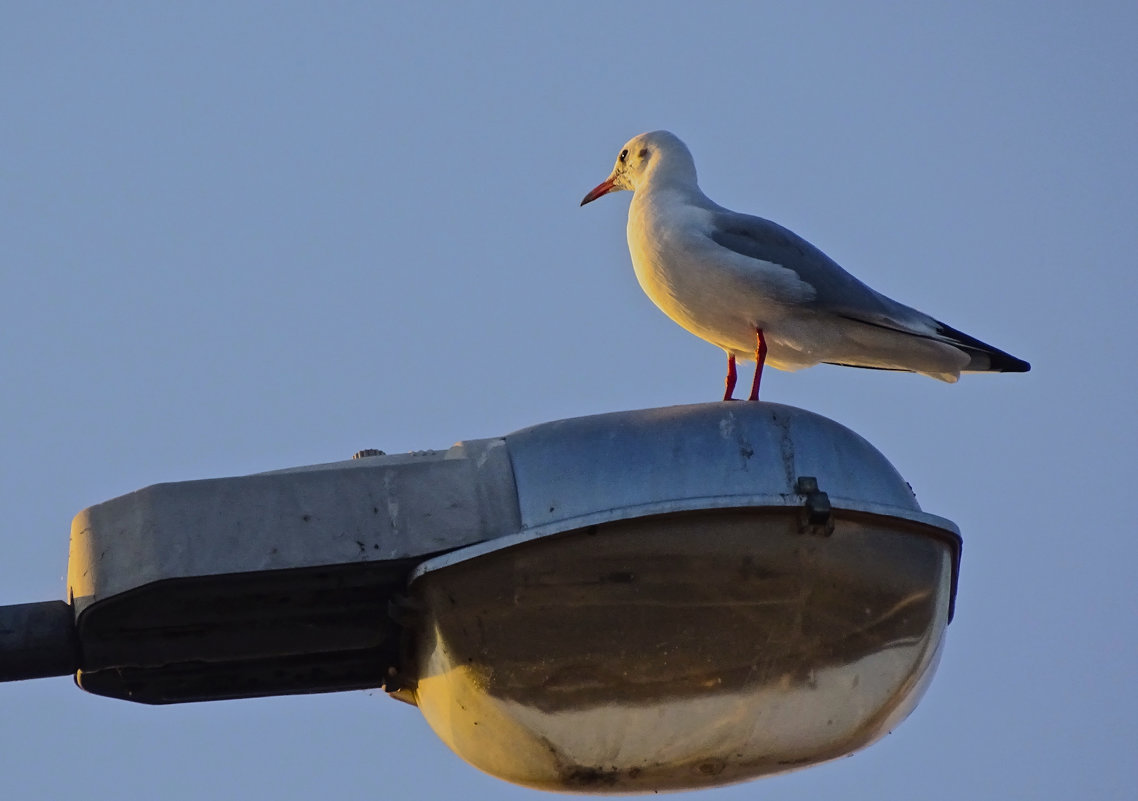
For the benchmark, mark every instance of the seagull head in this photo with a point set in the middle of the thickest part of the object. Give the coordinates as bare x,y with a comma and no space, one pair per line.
653,159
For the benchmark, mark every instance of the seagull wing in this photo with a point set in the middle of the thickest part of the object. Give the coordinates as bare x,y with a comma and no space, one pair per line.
835,291
839,294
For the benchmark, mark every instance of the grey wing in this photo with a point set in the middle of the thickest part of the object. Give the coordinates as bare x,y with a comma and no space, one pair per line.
839,293
835,290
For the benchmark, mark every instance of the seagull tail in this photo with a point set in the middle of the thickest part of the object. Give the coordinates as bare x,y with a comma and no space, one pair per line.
983,357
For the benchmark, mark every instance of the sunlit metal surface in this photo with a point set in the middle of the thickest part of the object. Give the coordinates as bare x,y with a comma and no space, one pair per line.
681,651
582,471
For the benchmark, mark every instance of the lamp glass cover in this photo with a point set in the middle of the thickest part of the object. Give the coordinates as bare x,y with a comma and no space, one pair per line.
680,651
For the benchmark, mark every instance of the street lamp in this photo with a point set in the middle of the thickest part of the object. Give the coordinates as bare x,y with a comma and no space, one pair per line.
663,599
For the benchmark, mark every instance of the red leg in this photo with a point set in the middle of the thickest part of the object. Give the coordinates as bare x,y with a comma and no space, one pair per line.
760,360
731,377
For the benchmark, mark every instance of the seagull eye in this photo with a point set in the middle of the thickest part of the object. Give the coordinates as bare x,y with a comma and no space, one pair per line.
623,156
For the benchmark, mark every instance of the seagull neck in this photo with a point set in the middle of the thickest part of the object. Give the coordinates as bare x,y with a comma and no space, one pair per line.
686,191
674,174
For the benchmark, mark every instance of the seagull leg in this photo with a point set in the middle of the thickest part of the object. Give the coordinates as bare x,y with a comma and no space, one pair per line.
731,377
760,360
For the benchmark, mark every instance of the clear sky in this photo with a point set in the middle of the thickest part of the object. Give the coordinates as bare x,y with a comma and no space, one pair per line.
239,237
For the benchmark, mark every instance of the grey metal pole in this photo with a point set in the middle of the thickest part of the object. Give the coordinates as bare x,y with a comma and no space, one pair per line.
37,640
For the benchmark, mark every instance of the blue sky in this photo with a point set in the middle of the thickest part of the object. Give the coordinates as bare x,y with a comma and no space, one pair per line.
238,237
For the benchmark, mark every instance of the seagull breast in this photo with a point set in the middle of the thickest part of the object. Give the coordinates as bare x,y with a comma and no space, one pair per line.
714,293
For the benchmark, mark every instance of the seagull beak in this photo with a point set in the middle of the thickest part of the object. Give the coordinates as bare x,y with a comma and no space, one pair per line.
603,188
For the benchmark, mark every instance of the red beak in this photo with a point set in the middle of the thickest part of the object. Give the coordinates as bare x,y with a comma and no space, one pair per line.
603,188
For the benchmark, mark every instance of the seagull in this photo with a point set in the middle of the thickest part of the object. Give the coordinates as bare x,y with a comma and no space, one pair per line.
759,291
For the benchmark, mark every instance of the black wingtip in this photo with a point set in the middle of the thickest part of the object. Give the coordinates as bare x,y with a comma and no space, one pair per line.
1009,364
998,360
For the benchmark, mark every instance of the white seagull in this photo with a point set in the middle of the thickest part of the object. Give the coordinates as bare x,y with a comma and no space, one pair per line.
759,291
